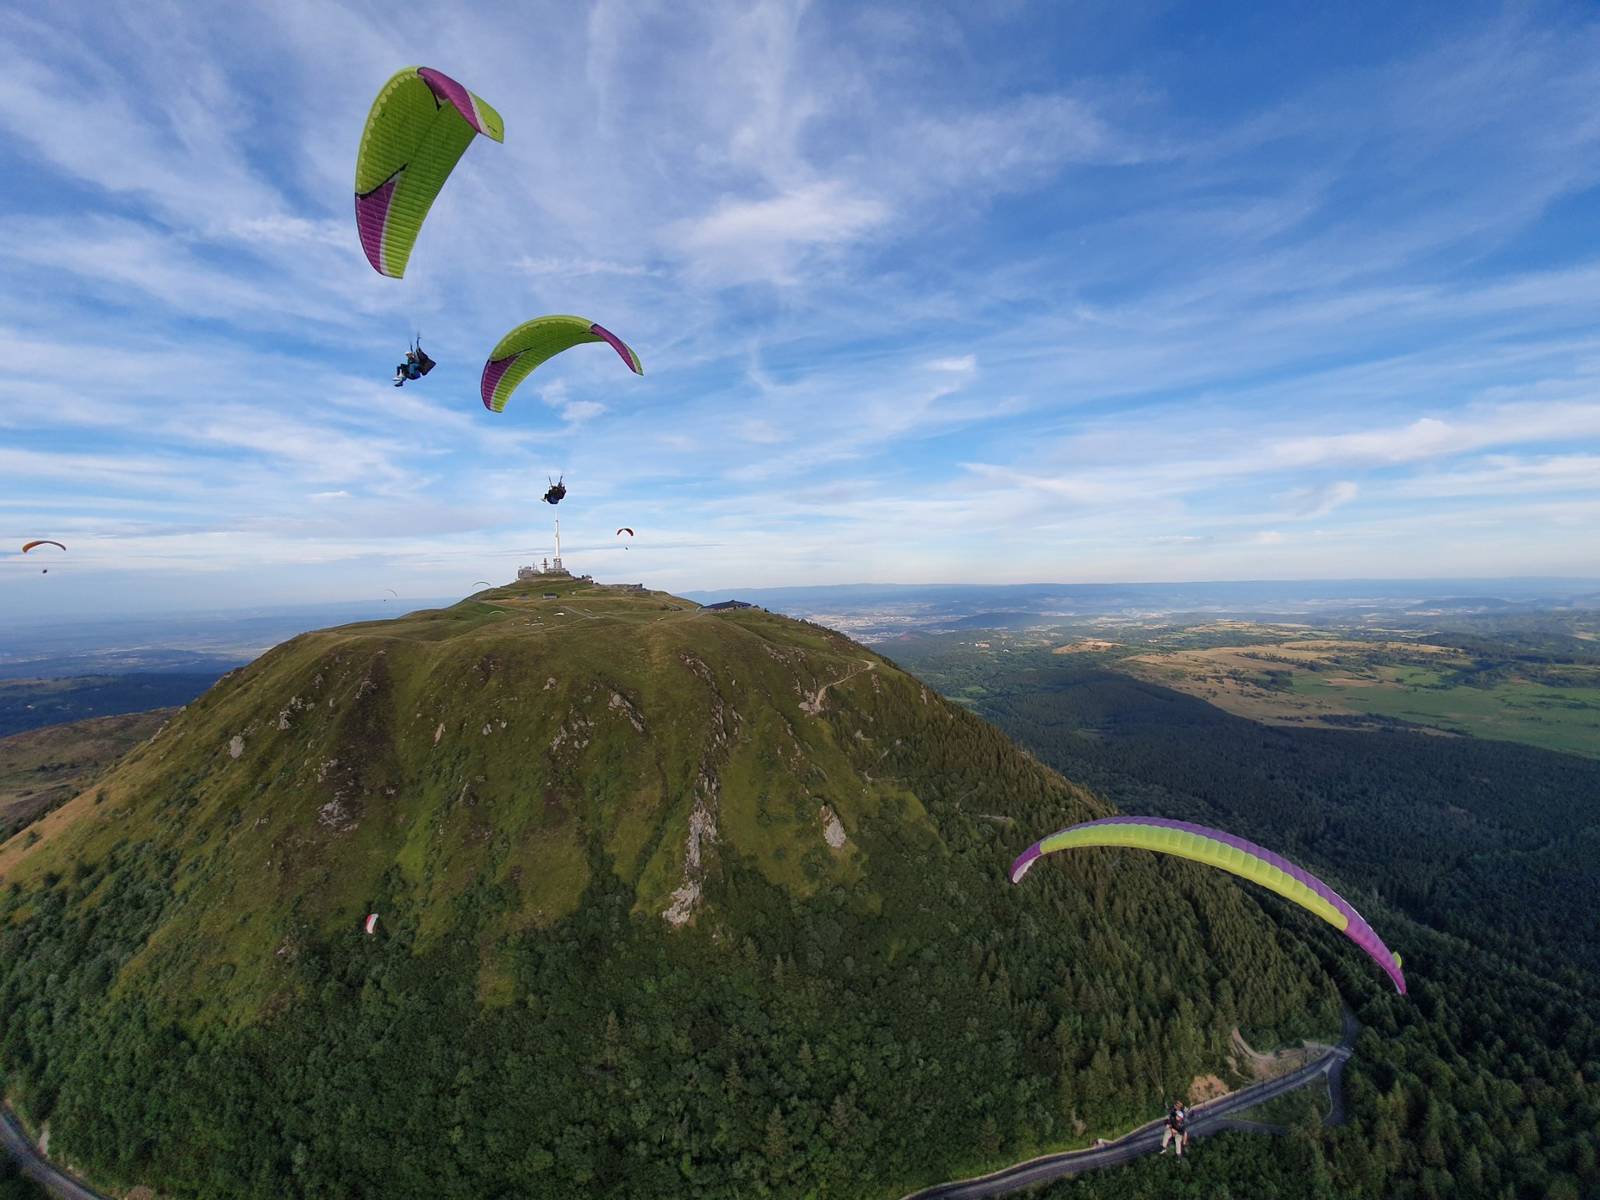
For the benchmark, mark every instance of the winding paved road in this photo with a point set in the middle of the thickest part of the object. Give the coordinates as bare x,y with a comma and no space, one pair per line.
1215,1116
36,1167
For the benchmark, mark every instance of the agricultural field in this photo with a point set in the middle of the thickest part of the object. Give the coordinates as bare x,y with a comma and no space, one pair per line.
44,768
1329,681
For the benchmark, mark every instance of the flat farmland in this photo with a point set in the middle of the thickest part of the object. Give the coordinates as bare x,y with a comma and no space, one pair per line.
44,768
1335,682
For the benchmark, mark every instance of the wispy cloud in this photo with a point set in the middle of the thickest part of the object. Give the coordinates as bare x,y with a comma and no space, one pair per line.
1439,437
1504,474
769,239
566,267
1319,501
913,288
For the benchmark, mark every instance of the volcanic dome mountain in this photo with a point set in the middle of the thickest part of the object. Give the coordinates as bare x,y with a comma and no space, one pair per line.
670,902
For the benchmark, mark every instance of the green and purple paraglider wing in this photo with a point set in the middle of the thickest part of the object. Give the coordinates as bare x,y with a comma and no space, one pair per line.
535,341
1215,848
419,127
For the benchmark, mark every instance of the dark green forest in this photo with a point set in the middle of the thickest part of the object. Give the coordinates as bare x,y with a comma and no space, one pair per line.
1480,860
14,1187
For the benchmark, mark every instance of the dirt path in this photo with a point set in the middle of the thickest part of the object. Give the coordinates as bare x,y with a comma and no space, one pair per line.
1279,1062
813,706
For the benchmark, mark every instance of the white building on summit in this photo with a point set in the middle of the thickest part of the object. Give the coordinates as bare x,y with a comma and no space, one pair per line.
543,571
552,568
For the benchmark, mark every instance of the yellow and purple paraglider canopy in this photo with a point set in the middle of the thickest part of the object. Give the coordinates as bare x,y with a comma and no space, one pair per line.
1215,848
420,125
517,354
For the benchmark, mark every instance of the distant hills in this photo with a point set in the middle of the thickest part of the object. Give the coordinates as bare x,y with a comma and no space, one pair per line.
192,642
35,703
875,611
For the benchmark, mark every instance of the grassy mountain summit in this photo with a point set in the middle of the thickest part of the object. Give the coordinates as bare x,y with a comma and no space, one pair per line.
670,902
508,744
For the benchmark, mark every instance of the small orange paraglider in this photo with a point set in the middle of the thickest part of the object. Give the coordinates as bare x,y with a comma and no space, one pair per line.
26,546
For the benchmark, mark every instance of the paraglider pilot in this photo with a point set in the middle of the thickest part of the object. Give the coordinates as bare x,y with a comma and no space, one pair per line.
416,365
1177,1129
557,493
407,370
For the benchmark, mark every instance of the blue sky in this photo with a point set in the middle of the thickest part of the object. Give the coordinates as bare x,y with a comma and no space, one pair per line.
1002,292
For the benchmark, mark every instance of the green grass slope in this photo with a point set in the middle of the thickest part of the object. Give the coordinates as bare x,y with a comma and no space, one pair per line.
671,902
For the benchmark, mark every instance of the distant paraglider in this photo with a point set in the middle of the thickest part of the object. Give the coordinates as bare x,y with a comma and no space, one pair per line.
625,530
517,354
26,546
417,130
391,592
1215,848
371,922
485,583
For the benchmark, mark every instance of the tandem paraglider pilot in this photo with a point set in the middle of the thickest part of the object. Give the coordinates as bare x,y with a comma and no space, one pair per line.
416,365
1177,1130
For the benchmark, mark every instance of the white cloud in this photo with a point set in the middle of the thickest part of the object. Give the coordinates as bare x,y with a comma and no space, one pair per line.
1504,474
568,267
742,241
1315,502
153,139
577,411
1085,489
1015,145
556,395
285,230
1439,437
760,431
96,470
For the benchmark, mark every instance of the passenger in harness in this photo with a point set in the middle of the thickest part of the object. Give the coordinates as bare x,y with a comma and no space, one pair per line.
1177,1130
416,365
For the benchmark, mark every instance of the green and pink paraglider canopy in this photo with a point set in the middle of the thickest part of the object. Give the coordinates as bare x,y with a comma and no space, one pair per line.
420,125
1215,848
517,354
